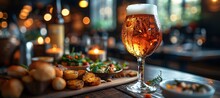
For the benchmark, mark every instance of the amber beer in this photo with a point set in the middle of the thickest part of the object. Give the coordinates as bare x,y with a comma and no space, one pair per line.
141,34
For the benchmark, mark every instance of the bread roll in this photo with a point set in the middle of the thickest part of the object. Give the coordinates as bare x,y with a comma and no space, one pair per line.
33,65
75,84
91,80
81,73
58,83
27,79
59,72
12,89
43,72
96,82
17,71
89,77
70,74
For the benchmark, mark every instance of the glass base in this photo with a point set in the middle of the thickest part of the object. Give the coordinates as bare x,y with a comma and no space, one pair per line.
141,87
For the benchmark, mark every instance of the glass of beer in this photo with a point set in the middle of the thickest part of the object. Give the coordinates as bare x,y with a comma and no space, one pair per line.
141,36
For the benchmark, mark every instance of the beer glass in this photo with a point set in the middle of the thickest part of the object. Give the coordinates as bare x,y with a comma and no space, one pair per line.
141,36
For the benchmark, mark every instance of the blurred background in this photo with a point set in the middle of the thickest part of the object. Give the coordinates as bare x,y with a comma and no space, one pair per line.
190,30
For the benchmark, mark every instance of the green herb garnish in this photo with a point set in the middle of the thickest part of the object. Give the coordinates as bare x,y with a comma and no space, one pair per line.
24,66
76,59
156,80
108,66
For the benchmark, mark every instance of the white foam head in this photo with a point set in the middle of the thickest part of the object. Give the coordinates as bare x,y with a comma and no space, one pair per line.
142,9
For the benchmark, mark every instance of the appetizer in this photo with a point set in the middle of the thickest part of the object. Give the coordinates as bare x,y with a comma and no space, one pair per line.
75,84
75,59
58,83
188,88
105,67
91,79
70,74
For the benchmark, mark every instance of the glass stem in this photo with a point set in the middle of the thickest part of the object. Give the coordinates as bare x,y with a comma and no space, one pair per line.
141,63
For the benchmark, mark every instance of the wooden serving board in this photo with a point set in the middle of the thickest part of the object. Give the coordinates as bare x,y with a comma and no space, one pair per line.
69,92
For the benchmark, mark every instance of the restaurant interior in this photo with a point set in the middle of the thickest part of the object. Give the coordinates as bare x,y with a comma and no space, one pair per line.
190,32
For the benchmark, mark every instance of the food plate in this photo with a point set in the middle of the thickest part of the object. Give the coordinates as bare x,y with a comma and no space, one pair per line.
68,92
178,93
104,76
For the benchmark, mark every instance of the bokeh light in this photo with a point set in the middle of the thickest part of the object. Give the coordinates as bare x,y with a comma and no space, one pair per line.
4,24
65,12
47,40
86,20
47,17
83,3
40,40
1,14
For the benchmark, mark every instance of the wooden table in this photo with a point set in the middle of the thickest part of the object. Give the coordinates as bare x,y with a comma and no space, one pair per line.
151,72
184,57
193,55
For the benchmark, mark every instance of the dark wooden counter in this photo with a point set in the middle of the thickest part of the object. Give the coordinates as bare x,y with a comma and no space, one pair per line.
150,72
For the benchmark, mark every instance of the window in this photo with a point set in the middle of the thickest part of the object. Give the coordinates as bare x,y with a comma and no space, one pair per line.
103,14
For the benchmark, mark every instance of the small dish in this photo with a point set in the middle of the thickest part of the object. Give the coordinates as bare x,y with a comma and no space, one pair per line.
104,76
170,93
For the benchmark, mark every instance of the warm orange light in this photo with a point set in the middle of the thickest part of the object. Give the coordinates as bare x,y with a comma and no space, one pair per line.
28,7
47,17
86,20
78,25
47,40
54,47
83,3
96,51
4,24
97,54
1,14
22,16
136,48
51,10
40,40
54,50
28,22
65,12
214,1
24,11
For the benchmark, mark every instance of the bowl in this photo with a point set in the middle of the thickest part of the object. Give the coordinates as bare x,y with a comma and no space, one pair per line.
104,76
168,93
74,67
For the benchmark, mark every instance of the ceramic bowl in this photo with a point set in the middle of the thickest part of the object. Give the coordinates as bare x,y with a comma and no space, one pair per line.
168,93
104,76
